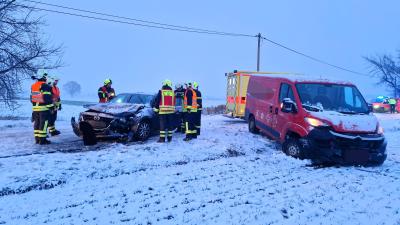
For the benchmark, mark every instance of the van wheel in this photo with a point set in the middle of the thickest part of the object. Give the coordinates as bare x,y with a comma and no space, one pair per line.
292,147
252,125
143,131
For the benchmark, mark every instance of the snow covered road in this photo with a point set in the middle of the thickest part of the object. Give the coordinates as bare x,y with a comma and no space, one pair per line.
227,176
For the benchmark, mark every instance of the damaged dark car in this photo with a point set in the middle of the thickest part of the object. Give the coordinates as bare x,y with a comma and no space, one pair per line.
127,117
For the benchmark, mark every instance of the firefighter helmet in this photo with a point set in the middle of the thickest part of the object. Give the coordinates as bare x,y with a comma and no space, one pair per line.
107,81
42,74
167,82
195,84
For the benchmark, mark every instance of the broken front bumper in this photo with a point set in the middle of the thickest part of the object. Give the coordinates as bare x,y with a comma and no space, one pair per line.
105,133
324,145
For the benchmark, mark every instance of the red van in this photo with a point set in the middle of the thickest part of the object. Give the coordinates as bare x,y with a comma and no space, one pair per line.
325,121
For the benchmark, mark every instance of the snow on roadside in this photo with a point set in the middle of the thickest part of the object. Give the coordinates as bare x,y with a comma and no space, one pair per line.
227,176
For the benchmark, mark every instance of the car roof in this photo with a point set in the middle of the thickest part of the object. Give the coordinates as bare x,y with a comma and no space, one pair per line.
136,93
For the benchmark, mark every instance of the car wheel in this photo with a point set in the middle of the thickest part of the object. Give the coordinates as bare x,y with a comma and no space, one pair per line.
252,125
143,131
292,147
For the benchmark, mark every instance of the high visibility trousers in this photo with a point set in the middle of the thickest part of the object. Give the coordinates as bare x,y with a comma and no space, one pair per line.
166,125
52,121
198,122
41,123
190,120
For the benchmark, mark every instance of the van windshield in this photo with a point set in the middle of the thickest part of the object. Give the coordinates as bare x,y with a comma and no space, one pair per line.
333,97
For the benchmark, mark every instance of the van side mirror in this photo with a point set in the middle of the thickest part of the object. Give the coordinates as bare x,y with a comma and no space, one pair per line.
288,106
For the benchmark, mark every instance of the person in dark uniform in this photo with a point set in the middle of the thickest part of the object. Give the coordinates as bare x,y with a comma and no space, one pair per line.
165,107
53,82
199,108
179,96
106,92
190,107
42,104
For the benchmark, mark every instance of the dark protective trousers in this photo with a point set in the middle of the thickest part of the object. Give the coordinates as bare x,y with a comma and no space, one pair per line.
392,108
182,120
40,123
52,121
166,125
190,125
198,122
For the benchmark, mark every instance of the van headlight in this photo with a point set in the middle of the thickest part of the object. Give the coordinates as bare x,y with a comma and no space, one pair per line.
315,122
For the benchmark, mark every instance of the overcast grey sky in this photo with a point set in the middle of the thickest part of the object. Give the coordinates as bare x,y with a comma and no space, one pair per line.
138,59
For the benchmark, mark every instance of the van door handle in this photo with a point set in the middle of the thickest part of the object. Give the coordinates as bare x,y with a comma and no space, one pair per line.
276,111
270,109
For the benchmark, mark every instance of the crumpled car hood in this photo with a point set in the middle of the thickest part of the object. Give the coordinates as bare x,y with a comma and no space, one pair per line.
115,108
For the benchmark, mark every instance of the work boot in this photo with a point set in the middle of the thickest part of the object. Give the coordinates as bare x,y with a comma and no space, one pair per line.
37,140
55,133
169,139
44,141
161,140
187,138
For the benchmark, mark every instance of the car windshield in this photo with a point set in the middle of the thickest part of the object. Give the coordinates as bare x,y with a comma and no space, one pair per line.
140,99
334,97
132,98
121,98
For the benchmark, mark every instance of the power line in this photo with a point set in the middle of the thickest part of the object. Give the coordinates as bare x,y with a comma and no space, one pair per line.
314,59
154,24
137,20
165,26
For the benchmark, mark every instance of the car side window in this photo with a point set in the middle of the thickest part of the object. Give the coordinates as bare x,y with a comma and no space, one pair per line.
286,92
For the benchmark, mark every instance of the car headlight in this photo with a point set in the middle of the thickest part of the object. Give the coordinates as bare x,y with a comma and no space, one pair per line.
315,122
375,106
379,130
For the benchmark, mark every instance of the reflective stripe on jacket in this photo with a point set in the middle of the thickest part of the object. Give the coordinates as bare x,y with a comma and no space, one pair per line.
392,101
167,102
41,96
190,100
36,94
103,97
56,95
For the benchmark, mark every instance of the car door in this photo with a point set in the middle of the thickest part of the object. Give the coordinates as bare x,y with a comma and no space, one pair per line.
281,119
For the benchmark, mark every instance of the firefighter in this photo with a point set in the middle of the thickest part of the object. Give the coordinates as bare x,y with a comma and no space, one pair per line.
165,107
53,82
106,92
199,108
42,104
190,108
392,102
179,95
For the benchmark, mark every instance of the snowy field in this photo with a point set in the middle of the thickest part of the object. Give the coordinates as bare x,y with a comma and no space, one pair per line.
227,176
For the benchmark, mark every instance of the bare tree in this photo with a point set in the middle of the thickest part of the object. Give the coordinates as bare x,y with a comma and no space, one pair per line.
72,88
23,50
388,71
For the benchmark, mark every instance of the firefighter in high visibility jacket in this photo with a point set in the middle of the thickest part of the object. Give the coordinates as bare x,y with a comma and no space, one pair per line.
179,96
106,92
53,82
199,108
165,107
190,109
42,104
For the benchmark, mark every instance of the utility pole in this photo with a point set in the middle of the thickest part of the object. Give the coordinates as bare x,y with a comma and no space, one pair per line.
258,51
